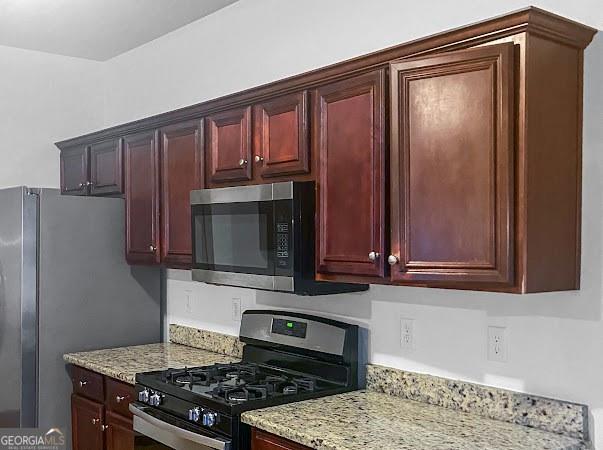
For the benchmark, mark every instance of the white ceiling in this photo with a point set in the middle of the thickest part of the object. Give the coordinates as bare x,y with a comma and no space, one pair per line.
95,29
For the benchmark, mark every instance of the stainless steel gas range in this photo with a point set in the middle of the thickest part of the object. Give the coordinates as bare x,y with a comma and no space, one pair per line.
288,357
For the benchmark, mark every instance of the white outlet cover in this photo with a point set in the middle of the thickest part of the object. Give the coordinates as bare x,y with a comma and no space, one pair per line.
497,344
188,301
236,310
407,335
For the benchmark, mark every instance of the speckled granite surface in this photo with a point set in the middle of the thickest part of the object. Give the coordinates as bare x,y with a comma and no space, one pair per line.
207,340
370,420
546,414
123,363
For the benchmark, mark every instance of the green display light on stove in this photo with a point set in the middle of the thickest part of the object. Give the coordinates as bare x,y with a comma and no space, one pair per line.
289,324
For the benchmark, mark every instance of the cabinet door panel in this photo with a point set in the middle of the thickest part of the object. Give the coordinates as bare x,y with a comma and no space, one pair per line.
74,171
229,145
266,441
281,135
120,432
181,172
452,166
86,422
348,141
106,174
142,198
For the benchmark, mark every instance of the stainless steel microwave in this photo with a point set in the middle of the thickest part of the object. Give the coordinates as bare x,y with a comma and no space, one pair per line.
259,236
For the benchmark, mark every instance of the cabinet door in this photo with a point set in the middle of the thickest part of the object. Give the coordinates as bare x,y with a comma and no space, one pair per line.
348,140
86,423
229,145
452,166
74,171
142,198
281,136
181,172
266,441
106,174
120,432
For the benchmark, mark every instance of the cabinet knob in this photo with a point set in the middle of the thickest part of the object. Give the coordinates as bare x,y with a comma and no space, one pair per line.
81,185
392,260
152,248
89,183
95,421
373,256
83,383
258,158
104,427
242,162
120,398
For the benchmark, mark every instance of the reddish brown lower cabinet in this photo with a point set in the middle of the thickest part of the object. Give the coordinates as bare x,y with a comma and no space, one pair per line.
281,136
260,440
348,139
452,166
228,146
142,198
181,172
87,422
120,434
100,417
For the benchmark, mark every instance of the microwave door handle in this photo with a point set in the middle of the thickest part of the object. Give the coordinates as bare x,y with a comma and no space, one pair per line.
201,439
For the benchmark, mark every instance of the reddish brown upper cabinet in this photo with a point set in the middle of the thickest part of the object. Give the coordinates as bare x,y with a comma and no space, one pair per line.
106,168
452,166
348,139
87,422
480,129
74,170
181,172
281,136
142,198
228,145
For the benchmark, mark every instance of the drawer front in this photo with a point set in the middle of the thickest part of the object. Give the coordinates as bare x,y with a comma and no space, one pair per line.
87,383
119,396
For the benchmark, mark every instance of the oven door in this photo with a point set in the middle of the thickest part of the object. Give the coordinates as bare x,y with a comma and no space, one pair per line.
153,431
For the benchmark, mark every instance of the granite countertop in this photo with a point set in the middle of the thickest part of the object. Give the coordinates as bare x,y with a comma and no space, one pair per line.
372,420
125,362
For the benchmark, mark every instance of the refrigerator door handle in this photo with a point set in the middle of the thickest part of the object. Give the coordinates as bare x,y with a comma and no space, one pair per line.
29,310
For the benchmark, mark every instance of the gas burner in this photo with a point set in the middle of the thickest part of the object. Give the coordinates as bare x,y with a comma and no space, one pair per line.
239,394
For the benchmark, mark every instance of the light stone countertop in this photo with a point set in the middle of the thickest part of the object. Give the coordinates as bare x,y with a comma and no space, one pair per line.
371,420
125,362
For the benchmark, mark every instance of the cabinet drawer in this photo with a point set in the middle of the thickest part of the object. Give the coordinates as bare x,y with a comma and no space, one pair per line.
261,440
119,396
87,383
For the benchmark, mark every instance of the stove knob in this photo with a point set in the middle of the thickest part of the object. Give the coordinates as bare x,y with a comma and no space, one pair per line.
155,399
143,396
194,414
209,419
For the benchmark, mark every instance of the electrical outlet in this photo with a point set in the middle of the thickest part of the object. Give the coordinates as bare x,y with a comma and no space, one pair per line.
407,337
236,310
497,344
188,299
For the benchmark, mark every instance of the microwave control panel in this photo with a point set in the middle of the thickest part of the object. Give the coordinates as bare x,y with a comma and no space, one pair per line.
282,244
283,237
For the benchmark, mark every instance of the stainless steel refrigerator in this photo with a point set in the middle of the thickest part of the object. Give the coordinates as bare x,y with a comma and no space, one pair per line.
64,287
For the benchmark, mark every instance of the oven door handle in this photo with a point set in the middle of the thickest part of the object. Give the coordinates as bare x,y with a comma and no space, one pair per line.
201,439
